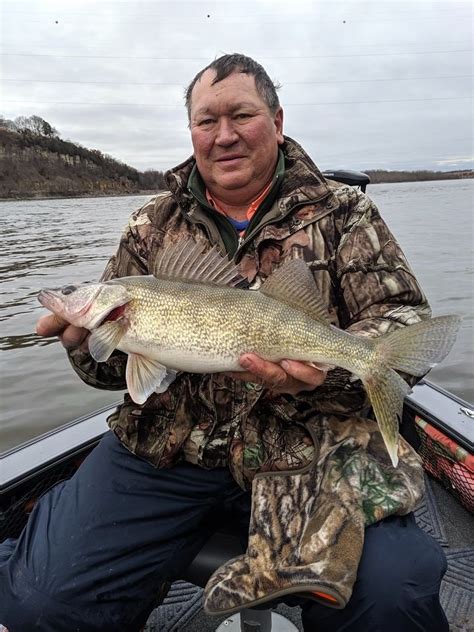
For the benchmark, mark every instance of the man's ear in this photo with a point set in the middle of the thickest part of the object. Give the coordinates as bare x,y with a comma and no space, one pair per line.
278,120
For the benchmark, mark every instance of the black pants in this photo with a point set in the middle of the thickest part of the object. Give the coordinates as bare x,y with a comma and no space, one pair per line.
97,548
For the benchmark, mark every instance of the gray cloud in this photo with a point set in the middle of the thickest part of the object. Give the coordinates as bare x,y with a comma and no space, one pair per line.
366,84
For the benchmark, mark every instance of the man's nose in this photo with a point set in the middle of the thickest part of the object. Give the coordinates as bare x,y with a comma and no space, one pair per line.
226,133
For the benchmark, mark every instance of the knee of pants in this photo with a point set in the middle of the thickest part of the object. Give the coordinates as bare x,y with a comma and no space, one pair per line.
399,568
397,588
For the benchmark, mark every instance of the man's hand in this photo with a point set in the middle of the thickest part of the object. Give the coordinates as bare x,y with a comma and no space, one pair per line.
70,336
289,376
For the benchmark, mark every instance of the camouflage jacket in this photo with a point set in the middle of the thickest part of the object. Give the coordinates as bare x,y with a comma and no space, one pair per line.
361,275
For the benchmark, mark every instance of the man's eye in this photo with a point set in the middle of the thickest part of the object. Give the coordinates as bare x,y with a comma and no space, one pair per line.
242,115
206,122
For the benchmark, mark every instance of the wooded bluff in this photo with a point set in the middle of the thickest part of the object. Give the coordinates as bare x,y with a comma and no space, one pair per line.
33,165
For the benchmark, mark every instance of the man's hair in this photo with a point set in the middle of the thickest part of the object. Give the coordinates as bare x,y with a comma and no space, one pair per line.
228,64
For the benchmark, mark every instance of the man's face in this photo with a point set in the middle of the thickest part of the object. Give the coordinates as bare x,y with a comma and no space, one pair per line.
235,136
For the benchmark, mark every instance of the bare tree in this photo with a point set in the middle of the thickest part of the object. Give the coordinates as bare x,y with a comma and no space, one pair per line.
7,124
35,125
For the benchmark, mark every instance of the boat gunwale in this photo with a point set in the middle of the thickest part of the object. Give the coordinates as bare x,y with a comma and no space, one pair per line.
25,461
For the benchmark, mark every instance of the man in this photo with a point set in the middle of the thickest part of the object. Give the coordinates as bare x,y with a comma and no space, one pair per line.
99,549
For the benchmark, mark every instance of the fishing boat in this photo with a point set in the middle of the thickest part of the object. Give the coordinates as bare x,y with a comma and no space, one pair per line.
437,423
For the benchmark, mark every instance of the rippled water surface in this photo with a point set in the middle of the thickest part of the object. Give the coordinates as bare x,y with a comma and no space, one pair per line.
49,243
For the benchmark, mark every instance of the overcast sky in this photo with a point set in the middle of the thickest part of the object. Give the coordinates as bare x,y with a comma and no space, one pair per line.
365,84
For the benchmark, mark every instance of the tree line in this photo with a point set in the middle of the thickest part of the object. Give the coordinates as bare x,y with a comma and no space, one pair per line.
381,175
38,135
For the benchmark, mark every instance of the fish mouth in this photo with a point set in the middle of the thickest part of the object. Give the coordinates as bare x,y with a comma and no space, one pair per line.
91,312
49,299
54,301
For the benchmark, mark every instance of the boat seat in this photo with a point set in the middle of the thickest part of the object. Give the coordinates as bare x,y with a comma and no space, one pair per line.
220,547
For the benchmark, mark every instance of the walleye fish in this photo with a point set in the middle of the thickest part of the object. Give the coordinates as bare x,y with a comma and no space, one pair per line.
189,316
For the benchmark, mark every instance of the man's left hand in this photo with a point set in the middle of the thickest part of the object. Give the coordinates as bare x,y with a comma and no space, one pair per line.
288,377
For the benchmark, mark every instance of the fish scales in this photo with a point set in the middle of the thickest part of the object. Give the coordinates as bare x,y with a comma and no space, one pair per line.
186,318
223,323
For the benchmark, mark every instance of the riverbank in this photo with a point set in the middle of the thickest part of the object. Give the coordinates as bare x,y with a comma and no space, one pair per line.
74,196
100,194
379,176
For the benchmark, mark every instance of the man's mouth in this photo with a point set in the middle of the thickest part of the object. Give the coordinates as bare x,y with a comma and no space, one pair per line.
230,158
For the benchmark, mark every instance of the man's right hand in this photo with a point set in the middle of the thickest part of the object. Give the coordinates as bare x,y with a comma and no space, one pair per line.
70,336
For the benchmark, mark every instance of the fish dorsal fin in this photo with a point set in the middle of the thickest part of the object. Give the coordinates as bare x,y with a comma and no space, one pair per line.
185,261
294,285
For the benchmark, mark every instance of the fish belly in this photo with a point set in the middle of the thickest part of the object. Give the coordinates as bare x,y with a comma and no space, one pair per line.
191,360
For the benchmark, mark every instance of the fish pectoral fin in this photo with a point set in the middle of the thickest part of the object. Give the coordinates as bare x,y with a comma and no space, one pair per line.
145,376
104,340
168,379
294,285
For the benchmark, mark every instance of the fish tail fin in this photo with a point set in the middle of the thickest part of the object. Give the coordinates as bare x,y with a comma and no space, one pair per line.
386,392
415,350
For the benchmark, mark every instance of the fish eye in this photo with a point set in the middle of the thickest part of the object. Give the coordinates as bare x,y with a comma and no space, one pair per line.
68,289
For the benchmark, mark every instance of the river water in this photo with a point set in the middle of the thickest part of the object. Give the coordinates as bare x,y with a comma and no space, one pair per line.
49,243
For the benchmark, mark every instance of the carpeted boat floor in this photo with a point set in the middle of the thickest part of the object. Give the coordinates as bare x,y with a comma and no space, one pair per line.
457,590
440,515
182,603
428,517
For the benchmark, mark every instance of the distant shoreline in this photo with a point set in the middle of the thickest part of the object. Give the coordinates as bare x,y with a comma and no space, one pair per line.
151,192
379,176
39,196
